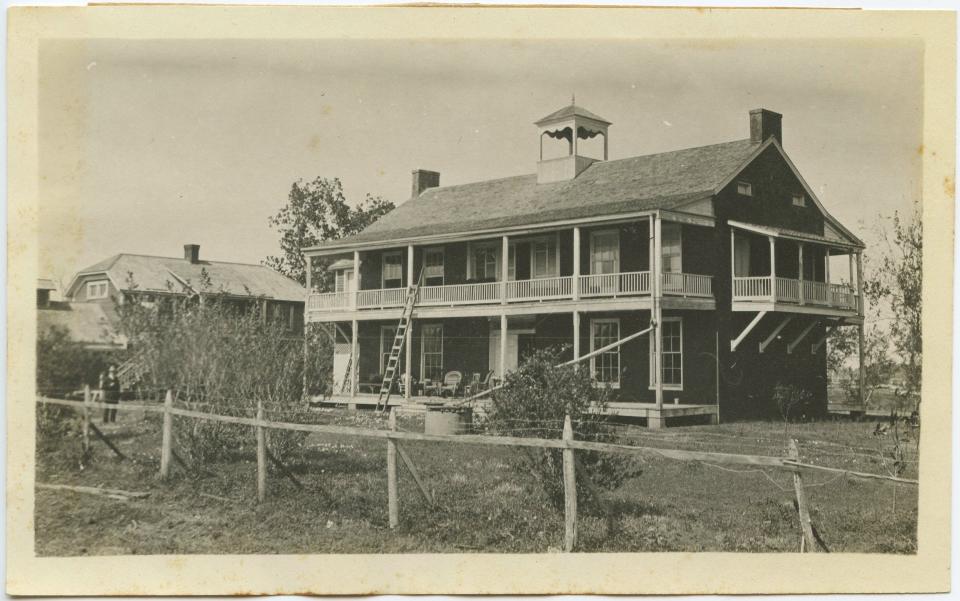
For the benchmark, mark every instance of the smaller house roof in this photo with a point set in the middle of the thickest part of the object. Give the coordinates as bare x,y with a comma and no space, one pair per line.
45,284
87,323
571,111
341,264
156,274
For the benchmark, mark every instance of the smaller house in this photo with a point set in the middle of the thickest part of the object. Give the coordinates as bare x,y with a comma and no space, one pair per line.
151,278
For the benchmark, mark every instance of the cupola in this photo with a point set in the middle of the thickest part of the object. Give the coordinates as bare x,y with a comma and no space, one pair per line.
571,124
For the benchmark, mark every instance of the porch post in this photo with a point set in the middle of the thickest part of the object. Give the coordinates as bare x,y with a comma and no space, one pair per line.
306,344
503,346
658,310
576,338
408,343
773,268
410,281
800,254
504,267
354,357
356,280
860,308
576,264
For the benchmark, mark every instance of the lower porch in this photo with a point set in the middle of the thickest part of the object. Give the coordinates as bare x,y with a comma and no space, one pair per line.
654,416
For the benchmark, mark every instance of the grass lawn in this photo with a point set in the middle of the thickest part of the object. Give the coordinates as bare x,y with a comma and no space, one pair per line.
484,502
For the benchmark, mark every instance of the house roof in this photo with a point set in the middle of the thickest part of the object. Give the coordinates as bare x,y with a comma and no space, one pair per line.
571,111
657,181
781,232
155,274
87,323
45,284
341,264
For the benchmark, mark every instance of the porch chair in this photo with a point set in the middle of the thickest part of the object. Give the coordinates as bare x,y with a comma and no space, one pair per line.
480,384
451,384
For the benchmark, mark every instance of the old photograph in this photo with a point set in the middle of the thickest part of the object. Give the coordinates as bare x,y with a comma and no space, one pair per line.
486,295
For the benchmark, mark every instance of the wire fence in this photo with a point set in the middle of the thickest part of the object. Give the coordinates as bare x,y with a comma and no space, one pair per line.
722,452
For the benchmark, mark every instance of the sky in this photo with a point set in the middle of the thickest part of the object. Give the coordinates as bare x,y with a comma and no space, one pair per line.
149,145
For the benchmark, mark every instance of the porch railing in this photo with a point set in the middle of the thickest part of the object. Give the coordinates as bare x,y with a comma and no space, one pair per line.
540,289
788,290
460,294
615,284
610,285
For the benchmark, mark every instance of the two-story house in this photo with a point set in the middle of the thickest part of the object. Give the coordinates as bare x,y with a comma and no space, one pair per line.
724,248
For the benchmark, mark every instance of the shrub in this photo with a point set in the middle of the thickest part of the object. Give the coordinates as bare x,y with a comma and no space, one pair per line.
220,356
64,365
792,401
534,402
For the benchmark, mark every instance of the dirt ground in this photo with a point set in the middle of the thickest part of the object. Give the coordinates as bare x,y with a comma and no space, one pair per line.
485,503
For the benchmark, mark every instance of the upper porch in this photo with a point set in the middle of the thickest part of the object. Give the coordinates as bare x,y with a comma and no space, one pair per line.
595,266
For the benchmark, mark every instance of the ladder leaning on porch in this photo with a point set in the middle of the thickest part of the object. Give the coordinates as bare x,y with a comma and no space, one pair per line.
399,338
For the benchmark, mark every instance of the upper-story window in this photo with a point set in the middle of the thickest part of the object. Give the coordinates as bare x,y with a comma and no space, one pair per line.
392,271
605,252
745,188
543,258
486,261
672,247
343,280
433,267
799,200
99,289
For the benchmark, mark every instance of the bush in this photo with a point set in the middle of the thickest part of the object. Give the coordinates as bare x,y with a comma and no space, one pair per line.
793,402
220,356
64,365
533,404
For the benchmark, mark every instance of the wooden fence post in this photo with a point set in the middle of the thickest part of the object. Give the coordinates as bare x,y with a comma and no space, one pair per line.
805,526
569,491
261,455
166,448
393,506
86,418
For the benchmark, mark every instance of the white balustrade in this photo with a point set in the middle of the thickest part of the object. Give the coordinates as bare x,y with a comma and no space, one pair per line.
328,301
460,294
816,293
687,284
539,289
843,296
382,298
751,288
615,284
788,290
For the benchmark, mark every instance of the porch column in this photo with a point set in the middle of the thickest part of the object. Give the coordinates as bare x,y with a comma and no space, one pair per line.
576,338
407,370
306,347
773,268
410,281
356,280
503,346
576,265
354,356
657,310
860,308
800,254
504,268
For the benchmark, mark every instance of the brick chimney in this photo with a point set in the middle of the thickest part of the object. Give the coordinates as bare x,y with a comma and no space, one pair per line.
422,180
191,252
764,124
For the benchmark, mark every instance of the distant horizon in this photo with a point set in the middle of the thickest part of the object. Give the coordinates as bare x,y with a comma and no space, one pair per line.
149,145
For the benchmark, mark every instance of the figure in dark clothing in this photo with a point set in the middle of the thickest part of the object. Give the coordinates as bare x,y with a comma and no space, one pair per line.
111,395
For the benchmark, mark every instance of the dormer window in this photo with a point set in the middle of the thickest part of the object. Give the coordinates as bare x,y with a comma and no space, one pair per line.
744,189
97,290
799,200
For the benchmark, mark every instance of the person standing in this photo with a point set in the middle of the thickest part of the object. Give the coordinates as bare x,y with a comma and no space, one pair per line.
111,394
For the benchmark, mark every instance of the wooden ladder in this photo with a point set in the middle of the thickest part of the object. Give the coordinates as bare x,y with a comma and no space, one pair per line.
399,339
346,374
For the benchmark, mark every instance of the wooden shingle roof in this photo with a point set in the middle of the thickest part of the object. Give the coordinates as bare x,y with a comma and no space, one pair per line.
657,181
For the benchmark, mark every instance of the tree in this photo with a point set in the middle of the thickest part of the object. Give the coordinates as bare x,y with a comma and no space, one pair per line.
896,286
315,212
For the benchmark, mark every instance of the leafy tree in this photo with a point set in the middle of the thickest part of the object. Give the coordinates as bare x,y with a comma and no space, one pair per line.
896,286
64,365
315,212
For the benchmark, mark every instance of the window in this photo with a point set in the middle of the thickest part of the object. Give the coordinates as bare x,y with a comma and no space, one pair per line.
671,245
543,258
340,280
387,334
671,354
799,200
485,262
744,188
97,290
605,367
605,252
512,261
431,352
392,270
433,267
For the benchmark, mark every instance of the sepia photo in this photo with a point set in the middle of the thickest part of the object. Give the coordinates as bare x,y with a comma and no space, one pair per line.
316,297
